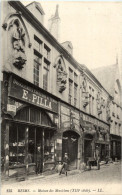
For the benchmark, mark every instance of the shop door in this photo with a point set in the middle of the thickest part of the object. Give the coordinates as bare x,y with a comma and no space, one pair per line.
87,149
39,149
103,152
70,146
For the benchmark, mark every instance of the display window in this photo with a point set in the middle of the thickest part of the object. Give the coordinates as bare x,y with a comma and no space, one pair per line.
16,145
49,146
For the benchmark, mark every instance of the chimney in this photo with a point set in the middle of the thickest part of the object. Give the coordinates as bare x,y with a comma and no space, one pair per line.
68,46
54,24
36,9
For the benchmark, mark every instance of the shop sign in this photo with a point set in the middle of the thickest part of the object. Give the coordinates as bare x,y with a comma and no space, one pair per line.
11,109
28,94
94,121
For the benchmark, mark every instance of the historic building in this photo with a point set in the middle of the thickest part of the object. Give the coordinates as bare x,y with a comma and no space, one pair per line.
48,99
109,76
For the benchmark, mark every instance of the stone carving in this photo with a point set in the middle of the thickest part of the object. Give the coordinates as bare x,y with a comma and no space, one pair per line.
17,14
61,74
18,43
85,93
99,105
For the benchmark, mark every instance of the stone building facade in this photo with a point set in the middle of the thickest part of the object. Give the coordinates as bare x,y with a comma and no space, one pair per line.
110,78
49,100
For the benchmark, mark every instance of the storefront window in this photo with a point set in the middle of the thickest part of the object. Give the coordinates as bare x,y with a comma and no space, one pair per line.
48,147
31,145
16,145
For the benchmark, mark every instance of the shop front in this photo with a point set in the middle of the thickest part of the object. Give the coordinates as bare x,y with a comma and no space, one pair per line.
71,137
96,136
29,123
115,147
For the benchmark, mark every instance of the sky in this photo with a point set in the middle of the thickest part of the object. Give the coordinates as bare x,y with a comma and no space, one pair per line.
94,28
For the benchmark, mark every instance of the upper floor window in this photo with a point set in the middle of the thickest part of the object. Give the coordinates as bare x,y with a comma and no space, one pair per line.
46,52
75,94
70,91
45,76
36,67
37,44
75,78
91,100
70,73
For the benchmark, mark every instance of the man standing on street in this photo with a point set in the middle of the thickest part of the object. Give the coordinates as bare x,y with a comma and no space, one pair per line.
38,164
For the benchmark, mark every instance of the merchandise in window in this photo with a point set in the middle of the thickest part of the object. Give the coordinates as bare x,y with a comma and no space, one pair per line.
16,145
48,147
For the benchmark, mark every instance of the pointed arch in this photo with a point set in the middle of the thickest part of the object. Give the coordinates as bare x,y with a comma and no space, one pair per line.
7,23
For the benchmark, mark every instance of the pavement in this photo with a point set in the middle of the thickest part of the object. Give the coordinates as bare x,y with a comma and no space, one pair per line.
54,175
106,181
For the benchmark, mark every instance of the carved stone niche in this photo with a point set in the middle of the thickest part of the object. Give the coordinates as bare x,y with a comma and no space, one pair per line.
17,34
18,43
85,94
61,73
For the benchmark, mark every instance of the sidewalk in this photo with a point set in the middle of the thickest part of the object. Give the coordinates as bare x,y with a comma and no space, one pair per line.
56,175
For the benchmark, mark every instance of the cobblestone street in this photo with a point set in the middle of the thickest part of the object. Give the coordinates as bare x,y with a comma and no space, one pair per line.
104,181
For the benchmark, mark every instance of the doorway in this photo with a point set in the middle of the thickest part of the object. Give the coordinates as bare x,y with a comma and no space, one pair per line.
87,149
70,146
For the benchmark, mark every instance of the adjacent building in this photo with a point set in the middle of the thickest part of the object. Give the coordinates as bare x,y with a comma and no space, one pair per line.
48,99
109,77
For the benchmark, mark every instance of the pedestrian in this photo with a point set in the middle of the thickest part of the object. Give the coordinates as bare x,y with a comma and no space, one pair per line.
65,164
38,162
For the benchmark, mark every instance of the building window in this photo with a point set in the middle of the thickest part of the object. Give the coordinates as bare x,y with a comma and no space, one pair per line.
70,73
37,44
37,63
45,76
49,146
16,145
75,94
91,100
46,52
75,78
70,91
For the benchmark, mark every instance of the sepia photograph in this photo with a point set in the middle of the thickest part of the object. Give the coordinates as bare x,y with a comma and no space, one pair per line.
61,97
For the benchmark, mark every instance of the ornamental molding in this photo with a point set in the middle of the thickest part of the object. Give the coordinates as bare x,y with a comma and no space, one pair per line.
17,39
15,15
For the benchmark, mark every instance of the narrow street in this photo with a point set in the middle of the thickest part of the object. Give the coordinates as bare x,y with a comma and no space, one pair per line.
107,180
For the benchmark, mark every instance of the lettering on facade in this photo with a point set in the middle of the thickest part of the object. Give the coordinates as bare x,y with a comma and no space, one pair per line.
17,91
61,74
94,121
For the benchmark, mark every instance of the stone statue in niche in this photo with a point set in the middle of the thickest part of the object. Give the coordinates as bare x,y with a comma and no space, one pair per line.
85,93
99,106
61,76
18,43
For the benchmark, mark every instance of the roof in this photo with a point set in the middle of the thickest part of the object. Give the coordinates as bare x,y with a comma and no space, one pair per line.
39,27
106,76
